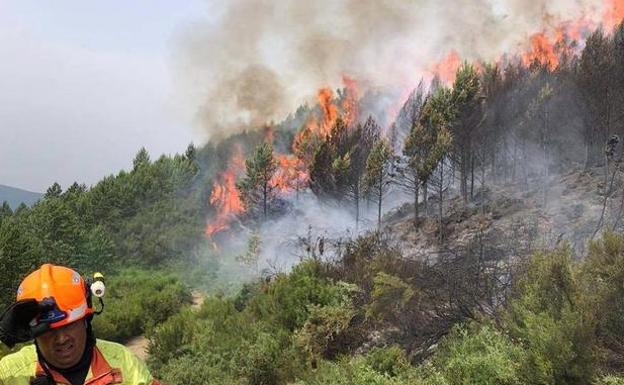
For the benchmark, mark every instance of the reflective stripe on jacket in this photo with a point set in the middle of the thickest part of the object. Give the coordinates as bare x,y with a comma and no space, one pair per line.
111,363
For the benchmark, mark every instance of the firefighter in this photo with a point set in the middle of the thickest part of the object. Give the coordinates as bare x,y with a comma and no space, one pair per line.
54,307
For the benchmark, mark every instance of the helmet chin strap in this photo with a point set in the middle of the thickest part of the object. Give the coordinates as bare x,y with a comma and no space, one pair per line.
47,379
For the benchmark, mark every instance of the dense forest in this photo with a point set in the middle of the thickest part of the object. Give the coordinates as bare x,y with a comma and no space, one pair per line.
362,313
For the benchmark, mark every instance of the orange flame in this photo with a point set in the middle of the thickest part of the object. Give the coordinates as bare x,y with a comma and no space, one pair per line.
225,197
446,69
542,52
613,14
328,109
291,174
350,101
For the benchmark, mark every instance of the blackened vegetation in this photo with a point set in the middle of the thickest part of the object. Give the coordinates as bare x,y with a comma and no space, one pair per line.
413,303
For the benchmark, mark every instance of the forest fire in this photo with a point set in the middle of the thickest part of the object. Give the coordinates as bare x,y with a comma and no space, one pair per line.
446,68
225,197
546,48
329,111
613,13
350,102
317,129
291,174
542,51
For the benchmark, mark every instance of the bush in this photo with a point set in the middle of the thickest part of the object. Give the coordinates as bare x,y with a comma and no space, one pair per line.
609,380
136,301
195,370
603,273
478,355
391,360
354,371
548,319
288,299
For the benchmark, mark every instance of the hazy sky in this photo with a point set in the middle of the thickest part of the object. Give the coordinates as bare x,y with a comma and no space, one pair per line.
85,84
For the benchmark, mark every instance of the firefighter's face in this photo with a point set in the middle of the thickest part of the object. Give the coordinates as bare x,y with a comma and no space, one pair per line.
63,347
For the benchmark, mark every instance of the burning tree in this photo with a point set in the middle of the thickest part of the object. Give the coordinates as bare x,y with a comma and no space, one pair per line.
256,187
340,162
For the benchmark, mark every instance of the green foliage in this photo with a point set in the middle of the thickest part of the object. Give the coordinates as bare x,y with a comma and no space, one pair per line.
609,380
251,255
290,297
390,295
603,274
195,369
378,174
356,371
390,361
323,331
429,139
268,335
339,164
255,187
546,318
478,355
137,301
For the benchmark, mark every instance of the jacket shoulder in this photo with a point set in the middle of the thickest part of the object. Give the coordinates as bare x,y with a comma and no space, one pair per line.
19,364
134,370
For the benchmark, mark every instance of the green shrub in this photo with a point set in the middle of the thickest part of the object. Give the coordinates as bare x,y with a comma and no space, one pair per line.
478,355
137,300
260,360
195,369
609,380
389,360
288,299
546,317
603,274
351,372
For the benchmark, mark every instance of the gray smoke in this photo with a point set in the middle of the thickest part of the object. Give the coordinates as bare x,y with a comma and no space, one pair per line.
256,61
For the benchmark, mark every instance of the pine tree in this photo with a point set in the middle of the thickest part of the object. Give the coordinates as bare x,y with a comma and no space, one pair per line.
141,159
463,114
255,187
53,191
5,211
378,174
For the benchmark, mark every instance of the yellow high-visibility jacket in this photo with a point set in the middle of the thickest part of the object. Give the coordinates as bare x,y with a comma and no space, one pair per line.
111,363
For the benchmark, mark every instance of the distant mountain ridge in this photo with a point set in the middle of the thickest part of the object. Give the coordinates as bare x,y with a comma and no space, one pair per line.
15,196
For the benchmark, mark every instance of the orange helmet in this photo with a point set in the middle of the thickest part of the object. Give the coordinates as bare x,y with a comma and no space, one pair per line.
61,287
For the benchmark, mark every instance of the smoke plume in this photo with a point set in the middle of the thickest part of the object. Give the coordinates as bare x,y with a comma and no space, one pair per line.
256,61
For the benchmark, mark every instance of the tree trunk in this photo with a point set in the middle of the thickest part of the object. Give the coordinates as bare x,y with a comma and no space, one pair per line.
380,192
440,196
425,193
265,199
463,183
416,203
356,197
472,177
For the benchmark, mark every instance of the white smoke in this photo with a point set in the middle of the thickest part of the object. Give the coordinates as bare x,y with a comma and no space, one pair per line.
256,61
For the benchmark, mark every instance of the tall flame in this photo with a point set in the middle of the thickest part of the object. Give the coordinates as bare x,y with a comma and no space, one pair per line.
291,174
613,13
329,111
446,69
350,101
225,197
542,52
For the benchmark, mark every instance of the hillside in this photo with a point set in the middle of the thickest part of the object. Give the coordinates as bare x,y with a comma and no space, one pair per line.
14,196
512,219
